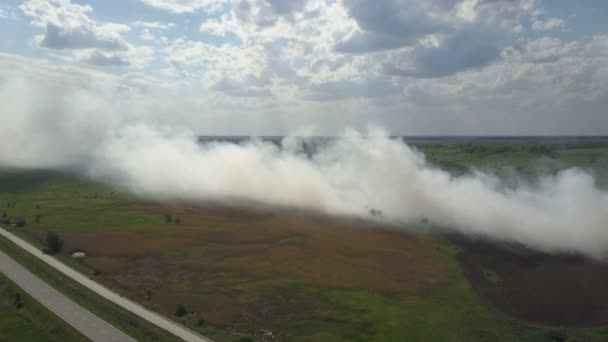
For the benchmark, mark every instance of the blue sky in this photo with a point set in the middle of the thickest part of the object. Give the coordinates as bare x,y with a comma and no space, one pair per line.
276,67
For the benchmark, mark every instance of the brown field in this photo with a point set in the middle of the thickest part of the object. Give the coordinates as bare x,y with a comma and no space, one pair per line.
194,262
555,290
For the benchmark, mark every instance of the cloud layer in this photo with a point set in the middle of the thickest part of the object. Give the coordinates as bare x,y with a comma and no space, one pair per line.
431,67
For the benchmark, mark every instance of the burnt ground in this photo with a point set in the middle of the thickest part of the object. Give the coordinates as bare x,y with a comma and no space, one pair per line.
554,290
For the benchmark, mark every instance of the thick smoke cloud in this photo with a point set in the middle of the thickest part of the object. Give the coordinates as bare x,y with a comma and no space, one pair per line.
349,176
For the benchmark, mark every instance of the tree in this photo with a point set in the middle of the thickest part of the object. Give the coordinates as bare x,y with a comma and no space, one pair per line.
54,242
181,311
168,218
37,218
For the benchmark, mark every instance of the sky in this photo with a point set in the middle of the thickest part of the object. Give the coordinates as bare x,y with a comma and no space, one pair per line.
272,67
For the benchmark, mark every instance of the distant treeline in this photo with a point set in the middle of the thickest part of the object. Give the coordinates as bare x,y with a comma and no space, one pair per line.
534,145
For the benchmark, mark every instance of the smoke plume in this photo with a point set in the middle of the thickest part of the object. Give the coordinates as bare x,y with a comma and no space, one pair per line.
347,176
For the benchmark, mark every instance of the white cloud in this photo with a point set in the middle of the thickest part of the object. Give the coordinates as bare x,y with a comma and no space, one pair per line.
154,25
147,35
185,6
6,12
547,25
68,26
134,57
439,66
433,38
236,88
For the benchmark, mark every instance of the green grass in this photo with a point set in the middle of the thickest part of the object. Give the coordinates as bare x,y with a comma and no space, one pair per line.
30,322
526,161
69,203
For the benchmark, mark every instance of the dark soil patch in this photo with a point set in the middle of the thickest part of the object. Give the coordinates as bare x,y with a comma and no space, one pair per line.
555,290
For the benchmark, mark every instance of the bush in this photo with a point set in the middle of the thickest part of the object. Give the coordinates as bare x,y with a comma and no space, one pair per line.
20,222
18,303
5,221
53,242
37,218
375,212
168,218
181,311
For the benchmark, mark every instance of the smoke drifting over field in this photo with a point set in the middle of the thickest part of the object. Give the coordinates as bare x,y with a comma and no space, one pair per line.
348,176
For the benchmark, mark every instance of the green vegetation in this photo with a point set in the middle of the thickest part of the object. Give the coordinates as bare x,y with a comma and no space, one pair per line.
24,319
527,161
245,276
181,311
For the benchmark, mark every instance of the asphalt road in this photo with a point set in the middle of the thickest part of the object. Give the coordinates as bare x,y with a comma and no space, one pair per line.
78,317
152,317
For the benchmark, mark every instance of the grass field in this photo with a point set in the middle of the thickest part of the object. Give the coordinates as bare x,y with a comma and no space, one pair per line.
272,275
23,319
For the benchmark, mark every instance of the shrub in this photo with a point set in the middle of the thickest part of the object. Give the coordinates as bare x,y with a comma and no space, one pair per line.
375,212
168,218
54,242
181,311
20,222
18,303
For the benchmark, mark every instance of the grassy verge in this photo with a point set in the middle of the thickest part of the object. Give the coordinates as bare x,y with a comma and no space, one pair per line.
22,318
113,314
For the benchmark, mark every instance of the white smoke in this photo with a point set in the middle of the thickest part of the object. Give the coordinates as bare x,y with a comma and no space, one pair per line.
357,172
349,176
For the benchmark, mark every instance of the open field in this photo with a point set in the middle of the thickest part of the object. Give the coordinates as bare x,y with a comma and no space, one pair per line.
23,319
276,275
